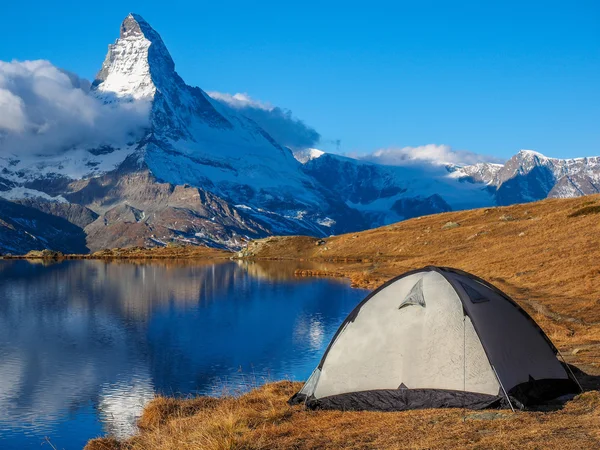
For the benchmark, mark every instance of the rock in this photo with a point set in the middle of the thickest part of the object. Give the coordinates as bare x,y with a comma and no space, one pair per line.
522,233
507,218
320,242
450,225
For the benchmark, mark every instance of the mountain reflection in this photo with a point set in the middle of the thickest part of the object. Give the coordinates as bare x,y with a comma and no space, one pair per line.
84,344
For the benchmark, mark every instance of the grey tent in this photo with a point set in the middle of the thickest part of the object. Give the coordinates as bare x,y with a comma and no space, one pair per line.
437,337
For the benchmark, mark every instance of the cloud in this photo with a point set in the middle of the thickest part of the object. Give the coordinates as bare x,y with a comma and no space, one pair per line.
278,122
431,153
46,110
13,115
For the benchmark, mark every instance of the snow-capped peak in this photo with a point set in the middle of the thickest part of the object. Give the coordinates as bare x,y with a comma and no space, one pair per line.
530,154
307,154
136,65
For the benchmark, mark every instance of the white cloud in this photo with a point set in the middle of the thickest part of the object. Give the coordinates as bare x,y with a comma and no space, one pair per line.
240,101
278,122
431,153
46,110
13,114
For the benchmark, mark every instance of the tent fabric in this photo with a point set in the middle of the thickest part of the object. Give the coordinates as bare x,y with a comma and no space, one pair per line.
406,399
436,337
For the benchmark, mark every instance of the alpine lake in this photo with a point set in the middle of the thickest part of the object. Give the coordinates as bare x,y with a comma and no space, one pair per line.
85,344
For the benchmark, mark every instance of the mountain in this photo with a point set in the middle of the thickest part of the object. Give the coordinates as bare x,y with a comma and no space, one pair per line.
197,141
387,194
530,176
198,171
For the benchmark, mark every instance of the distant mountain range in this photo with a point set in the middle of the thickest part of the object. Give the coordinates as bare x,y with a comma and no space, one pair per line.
204,173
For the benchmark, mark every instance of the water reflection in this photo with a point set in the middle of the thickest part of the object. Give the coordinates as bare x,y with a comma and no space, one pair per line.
84,344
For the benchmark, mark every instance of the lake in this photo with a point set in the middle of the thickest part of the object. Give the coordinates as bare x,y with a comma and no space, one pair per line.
85,344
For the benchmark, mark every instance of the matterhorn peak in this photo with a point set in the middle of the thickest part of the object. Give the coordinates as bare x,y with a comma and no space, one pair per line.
138,68
136,65
132,25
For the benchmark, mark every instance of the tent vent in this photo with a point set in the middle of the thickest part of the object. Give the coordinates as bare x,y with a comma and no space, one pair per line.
474,295
415,296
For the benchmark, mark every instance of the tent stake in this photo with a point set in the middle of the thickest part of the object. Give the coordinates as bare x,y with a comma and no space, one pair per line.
503,390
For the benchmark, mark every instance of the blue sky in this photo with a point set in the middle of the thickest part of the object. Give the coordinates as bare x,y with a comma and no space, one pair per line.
490,77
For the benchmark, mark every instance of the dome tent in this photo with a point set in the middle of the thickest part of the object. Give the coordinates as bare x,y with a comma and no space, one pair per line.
437,337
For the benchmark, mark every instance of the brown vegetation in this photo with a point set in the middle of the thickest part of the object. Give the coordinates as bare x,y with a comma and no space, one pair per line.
546,255
262,420
44,254
168,252
131,253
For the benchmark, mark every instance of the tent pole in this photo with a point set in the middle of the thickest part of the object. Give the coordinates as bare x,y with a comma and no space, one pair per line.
569,368
503,390
464,363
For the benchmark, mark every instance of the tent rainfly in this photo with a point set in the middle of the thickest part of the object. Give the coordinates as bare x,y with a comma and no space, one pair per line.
437,337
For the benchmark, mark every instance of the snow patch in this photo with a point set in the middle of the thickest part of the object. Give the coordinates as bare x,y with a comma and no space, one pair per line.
307,154
532,153
326,222
19,193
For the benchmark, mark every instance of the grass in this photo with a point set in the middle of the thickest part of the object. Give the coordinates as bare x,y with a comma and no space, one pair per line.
262,420
546,257
586,210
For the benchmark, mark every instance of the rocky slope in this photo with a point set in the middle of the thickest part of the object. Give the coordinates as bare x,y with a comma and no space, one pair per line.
24,228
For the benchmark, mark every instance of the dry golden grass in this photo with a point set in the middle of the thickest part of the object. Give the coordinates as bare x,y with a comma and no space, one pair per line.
546,255
262,420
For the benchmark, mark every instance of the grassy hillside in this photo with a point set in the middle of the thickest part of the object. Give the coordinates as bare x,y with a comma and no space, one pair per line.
546,255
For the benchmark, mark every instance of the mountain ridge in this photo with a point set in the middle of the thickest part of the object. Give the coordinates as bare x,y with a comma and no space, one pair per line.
200,172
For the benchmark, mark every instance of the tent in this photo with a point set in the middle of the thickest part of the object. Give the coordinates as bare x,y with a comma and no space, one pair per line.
437,337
